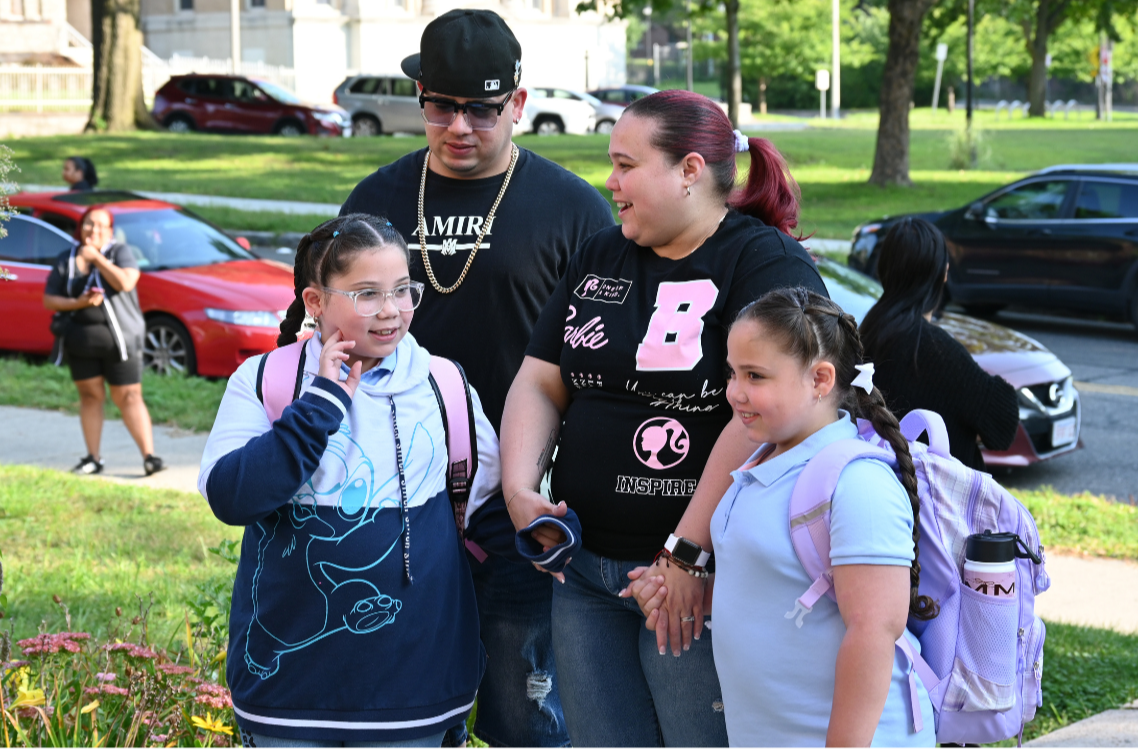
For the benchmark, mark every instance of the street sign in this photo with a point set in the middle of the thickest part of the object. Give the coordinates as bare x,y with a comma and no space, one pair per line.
942,52
822,80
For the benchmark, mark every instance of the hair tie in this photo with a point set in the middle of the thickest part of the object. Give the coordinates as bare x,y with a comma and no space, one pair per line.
742,142
389,223
864,379
335,234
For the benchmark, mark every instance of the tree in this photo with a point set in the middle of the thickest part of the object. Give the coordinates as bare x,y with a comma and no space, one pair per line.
632,8
117,103
891,157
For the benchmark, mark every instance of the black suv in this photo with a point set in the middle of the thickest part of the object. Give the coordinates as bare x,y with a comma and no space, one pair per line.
1063,238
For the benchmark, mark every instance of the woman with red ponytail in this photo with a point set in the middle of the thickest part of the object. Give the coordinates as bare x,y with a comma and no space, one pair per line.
625,375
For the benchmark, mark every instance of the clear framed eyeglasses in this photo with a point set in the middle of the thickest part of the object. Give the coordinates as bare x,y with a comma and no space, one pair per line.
368,302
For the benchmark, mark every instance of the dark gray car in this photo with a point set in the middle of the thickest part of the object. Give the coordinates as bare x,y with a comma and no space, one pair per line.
381,104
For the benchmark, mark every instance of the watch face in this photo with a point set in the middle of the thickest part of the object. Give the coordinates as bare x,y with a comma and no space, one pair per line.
686,551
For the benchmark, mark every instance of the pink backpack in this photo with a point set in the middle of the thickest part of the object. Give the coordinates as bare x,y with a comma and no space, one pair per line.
981,658
281,373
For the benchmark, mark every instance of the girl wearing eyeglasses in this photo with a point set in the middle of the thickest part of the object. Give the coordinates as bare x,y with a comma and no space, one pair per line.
354,621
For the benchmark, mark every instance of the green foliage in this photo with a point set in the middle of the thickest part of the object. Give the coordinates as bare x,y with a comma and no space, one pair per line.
175,400
209,608
1085,671
967,149
6,167
96,545
70,689
1083,523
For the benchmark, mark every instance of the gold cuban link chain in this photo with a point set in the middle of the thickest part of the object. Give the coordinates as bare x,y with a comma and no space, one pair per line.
481,235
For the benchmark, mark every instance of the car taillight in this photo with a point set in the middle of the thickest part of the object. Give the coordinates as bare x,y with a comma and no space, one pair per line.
336,98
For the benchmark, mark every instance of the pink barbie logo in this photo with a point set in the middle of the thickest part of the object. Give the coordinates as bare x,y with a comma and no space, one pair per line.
661,443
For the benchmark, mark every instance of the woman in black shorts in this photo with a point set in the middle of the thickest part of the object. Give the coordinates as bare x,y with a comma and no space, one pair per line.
100,329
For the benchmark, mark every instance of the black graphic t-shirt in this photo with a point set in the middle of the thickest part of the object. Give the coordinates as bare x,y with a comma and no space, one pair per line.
642,343
484,325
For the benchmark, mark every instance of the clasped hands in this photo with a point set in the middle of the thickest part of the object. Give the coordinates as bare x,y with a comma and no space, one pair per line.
673,601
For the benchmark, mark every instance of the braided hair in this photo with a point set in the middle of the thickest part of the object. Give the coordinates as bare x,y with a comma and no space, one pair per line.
326,252
810,328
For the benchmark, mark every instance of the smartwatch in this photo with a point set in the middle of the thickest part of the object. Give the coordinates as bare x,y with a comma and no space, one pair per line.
688,552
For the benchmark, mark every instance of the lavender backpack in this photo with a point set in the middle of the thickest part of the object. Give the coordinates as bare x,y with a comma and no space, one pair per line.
981,658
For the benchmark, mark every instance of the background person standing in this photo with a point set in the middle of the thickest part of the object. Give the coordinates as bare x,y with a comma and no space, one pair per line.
491,227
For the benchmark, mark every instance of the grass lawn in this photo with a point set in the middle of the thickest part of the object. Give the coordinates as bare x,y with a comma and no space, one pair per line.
186,402
831,162
97,545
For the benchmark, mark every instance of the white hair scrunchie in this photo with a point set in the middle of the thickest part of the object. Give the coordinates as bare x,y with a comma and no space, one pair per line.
742,142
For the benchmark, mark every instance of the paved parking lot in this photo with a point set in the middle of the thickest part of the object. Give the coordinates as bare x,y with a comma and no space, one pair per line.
1104,359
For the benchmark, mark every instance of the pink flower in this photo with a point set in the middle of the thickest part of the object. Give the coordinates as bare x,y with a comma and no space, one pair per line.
217,703
48,643
215,696
90,690
173,668
112,689
159,738
131,650
105,676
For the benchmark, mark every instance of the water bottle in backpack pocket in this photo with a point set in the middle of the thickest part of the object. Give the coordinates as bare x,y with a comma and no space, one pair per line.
981,658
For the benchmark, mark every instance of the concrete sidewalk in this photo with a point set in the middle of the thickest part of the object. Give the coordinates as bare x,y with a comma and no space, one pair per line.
1112,728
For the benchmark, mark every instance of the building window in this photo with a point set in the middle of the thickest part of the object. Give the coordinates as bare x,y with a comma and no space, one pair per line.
185,4
256,3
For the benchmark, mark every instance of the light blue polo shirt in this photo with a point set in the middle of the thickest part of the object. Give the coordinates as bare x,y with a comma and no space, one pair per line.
777,679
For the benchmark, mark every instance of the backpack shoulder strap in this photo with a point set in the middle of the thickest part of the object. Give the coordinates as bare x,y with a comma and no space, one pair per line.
279,377
921,420
453,393
810,514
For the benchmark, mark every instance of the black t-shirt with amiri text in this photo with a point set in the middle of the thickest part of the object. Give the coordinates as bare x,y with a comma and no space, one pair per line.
484,325
642,344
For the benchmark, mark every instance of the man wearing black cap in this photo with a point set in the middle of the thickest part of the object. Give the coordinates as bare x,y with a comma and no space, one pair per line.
494,226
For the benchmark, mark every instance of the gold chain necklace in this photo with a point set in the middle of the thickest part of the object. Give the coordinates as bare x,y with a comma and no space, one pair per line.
481,235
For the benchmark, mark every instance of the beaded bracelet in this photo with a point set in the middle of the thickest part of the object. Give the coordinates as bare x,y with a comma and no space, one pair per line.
692,570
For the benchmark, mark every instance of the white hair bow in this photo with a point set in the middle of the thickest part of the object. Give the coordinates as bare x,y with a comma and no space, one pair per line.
864,379
742,142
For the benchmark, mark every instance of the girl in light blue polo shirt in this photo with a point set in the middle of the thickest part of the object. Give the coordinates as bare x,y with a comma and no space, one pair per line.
794,383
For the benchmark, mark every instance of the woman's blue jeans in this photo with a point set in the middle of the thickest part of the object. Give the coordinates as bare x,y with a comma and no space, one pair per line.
616,688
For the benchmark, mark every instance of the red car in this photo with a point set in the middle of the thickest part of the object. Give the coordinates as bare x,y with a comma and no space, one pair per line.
231,103
209,303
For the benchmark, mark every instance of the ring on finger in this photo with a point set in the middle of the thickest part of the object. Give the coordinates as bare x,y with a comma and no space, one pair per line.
687,618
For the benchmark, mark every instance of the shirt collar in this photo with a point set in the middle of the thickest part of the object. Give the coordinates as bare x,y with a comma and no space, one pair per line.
772,470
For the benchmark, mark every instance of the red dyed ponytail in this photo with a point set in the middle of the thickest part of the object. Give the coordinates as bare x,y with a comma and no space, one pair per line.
771,194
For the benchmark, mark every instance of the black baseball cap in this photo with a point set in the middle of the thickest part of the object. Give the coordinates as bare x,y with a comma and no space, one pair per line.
467,53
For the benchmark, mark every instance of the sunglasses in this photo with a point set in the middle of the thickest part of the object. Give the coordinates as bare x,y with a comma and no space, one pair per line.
479,115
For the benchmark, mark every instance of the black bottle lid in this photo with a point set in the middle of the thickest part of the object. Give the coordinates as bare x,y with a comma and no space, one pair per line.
989,547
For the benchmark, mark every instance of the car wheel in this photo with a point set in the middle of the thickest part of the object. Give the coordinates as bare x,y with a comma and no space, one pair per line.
604,127
983,310
179,124
365,126
548,126
167,348
290,129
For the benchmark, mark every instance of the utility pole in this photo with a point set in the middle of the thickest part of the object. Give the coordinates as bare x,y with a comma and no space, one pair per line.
648,36
836,75
235,34
656,65
941,56
968,110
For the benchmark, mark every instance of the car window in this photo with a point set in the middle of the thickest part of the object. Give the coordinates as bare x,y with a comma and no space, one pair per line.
560,93
30,242
174,238
283,95
1037,200
65,224
1107,200
245,91
403,87
616,96
188,85
539,93
634,95
217,88
369,86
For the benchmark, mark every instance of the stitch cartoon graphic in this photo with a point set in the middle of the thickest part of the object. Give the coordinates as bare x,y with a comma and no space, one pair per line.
325,541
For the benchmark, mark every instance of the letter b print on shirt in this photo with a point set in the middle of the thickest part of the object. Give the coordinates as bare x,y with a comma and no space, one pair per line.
672,342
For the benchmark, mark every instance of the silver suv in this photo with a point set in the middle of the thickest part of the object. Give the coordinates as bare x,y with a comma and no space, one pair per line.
381,104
